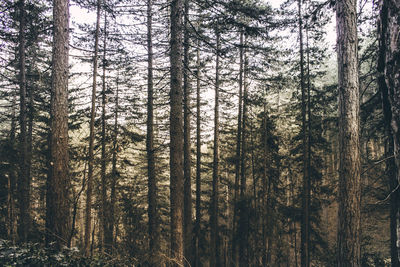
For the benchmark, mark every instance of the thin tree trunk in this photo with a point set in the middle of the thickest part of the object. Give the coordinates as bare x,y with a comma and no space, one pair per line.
214,234
109,234
12,179
264,191
305,221
349,227
153,227
235,236
23,175
176,134
187,217
88,213
198,160
57,200
243,220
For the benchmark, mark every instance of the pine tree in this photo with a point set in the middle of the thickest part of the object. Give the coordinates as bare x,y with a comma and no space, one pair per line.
57,201
349,226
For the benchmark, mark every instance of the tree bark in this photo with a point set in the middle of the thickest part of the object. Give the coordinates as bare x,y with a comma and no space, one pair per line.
23,182
392,79
214,233
57,201
305,221
88,211
153,228
176,134
390,169
198,161
12,179
243,210
349,227
235,235
187,162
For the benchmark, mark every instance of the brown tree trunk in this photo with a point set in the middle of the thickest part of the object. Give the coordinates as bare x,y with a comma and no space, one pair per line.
349,198
23,184
392,78
243,233
88,211
12,179
305,220
187,162
198,162
108,206
390,169
235,235
214,233
176,134
154,231
57,202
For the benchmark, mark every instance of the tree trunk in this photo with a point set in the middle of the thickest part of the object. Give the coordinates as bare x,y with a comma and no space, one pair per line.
154,231
392,78
214,233
57,201
23,175
235,235
176,134
108,206
88,212
12,179
390,169
305,221
243,210
198,161
349,226
187,218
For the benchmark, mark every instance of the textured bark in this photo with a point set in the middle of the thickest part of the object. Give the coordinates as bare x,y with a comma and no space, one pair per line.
108,206
198,162
23,184
57,202
392,78
12,179
176,134
89,184
187,161
214,231
305,200
153,227
243,229
235,236
390,169
349,144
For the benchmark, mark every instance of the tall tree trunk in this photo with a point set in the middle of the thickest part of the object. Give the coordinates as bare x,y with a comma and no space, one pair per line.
12,179
89,185
109,234
349,226
176,134
389,145
154,231
108,206
23,175
243,211
305,220
214,233
57,200
187,162
198,160
392,79
235,235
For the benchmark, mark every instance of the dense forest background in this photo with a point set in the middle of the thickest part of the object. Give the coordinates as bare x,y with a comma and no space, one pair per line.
199,133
